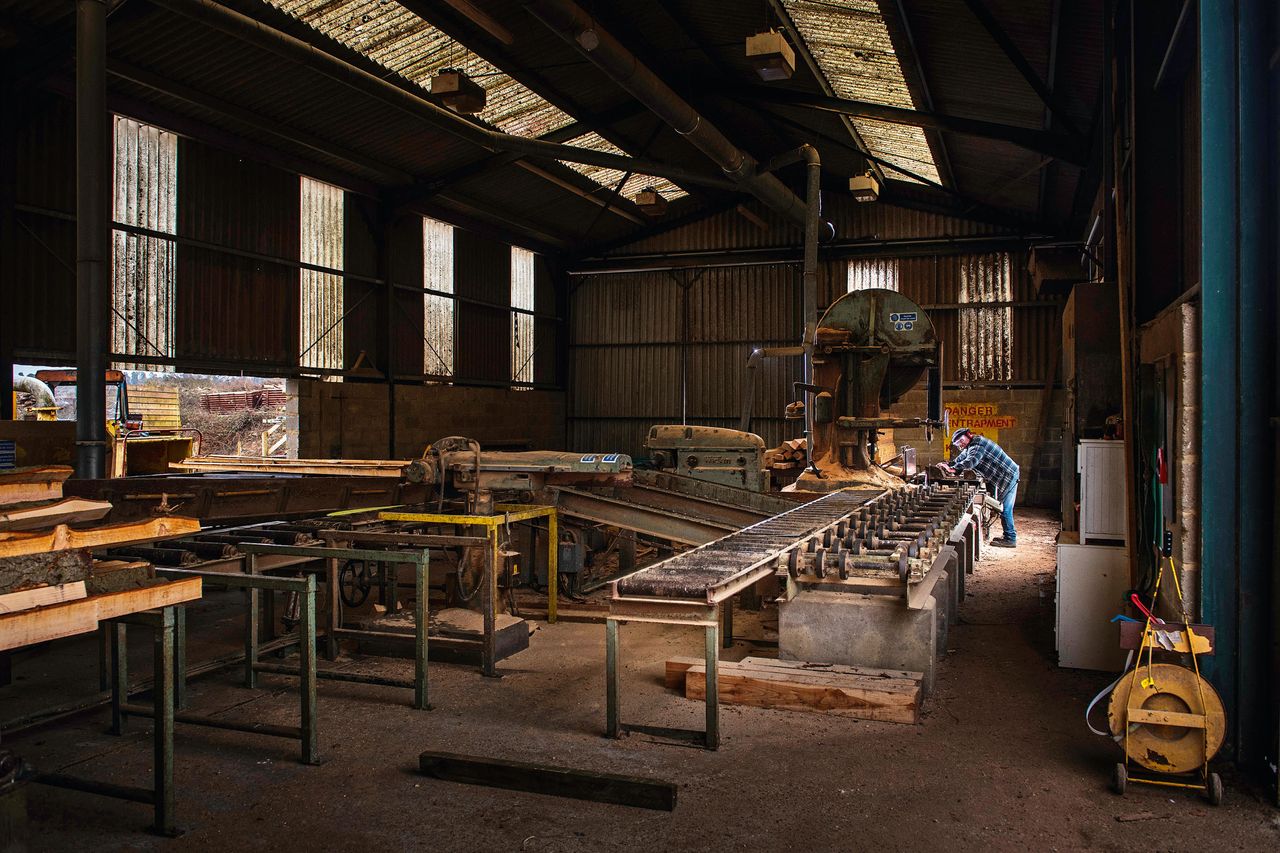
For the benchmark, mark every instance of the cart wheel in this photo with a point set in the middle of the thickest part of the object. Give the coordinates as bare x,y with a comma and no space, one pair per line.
1119,779
354,583
1214,789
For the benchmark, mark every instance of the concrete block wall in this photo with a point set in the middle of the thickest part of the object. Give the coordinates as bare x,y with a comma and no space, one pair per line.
1019,441
348,420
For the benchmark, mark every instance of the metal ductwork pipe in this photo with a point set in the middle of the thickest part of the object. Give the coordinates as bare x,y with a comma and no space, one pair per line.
30,385
93,237
290,47
576,26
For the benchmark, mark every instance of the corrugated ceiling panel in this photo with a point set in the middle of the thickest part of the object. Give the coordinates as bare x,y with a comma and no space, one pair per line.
850,42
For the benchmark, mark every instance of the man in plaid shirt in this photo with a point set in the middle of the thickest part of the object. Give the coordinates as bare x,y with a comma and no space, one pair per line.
997,469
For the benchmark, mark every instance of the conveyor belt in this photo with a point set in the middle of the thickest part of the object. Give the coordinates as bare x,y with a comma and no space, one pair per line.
694,574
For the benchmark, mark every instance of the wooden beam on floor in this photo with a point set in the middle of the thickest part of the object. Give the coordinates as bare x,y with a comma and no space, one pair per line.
546,779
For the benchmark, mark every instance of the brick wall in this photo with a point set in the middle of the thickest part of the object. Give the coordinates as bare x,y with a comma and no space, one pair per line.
348,420
1024,404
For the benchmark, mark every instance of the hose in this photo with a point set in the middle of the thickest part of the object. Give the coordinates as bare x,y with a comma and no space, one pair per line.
1088,712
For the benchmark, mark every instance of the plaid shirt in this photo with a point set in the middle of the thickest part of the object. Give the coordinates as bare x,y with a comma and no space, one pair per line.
988,459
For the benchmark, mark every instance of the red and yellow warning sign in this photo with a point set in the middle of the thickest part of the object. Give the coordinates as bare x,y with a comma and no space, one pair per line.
982,419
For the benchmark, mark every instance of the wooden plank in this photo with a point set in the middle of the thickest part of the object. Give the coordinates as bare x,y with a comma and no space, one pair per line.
836,668
676,668
1164,718
782,691
63,537
42,596
65,511
161,594
25,485
546,779
48,568
79,617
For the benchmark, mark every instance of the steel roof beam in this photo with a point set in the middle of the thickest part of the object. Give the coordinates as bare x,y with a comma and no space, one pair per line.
313,51
167,86
1050,144
575,26
428,188
1001,38
927,95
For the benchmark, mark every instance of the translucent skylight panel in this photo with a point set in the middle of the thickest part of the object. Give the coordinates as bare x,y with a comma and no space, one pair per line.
610,177
400,41
850,42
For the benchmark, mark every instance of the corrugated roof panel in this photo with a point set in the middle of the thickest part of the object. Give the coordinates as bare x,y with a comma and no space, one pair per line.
611,177
399,40
850,42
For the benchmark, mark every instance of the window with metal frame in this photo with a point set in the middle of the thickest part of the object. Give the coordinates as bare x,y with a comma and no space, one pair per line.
522,345
872,273
986,330
144,257
437,298
321,295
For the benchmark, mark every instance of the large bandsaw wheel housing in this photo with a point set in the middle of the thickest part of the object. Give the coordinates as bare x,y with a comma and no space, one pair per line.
1167,749
886,318
871,347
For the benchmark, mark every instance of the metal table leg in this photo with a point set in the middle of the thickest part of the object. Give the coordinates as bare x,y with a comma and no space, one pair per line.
163,695
612,727
420,629
307,666
180,656
331,634
713,686
119,634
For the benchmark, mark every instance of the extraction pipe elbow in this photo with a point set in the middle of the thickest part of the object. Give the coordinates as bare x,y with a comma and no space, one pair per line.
30,385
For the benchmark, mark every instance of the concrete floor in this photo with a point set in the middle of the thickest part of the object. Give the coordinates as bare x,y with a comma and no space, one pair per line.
1001,761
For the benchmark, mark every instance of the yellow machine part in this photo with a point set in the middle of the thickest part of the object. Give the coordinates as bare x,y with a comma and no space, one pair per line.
1174,691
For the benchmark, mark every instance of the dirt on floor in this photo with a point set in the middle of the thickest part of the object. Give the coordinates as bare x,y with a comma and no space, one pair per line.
1002,759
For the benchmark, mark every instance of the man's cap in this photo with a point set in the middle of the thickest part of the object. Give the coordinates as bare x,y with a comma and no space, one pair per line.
955,436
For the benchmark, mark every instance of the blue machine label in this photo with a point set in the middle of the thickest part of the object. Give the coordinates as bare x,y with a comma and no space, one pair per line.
903,322
612,457
8,454
588,459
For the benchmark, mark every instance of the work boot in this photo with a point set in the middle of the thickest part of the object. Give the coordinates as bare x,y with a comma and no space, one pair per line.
1001,542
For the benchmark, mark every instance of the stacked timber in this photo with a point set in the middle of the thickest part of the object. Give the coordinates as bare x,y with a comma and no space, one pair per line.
46,551
789,454
891,696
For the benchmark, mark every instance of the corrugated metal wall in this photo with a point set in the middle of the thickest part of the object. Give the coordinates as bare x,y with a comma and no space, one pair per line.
234,268
482,280
236,310
45,246
629,368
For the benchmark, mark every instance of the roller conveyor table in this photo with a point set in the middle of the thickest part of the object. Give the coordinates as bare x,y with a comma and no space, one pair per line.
709,572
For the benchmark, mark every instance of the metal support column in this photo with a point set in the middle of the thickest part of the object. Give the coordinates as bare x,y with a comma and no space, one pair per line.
93,237
712,739
1219,312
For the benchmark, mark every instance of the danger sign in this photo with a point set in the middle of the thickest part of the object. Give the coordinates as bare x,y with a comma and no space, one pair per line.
982,419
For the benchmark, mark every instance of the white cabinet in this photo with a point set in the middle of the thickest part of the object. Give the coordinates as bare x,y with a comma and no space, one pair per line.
1092,580
1104,514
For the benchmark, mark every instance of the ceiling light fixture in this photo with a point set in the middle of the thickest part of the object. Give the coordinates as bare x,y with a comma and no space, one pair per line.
771,56
651,202
865,187
458,91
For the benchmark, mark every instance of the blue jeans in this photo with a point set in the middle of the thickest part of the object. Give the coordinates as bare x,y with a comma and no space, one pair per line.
1006,515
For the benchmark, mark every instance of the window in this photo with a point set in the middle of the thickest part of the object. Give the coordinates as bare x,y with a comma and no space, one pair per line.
986,331
869,273
143,269
521,317
437,301
321,293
